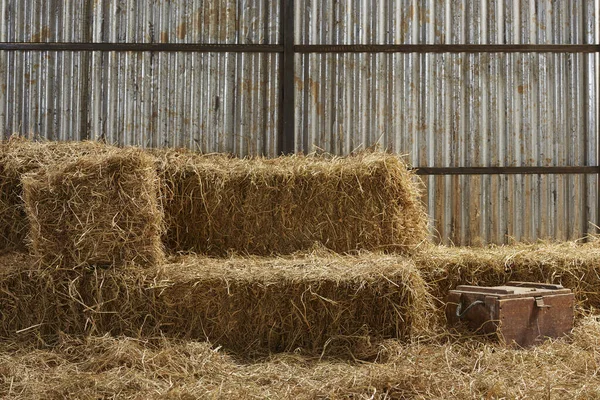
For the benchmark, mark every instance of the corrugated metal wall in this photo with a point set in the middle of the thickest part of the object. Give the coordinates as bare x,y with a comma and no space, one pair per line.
444,110
461,110
224,102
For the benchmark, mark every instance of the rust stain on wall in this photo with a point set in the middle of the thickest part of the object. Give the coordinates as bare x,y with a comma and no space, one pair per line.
182,30
42,36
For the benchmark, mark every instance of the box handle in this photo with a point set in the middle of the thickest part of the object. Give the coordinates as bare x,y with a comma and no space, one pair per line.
459,308
539,301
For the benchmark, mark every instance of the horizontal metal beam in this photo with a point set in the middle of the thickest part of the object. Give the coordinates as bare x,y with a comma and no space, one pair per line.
448,48
162,47
505,170
276,48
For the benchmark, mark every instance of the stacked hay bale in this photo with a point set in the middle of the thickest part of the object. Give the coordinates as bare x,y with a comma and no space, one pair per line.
313,303
216,205
43,303
571,264
98,210
95,224
95,234
19,156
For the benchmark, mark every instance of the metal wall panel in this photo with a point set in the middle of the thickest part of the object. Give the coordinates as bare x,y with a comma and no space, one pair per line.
213,102
210,102
226,102
442,110
135,21
445,21
461,110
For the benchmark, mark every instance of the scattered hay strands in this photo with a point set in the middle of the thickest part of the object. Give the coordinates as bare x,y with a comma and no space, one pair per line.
217,204
99,210
103,367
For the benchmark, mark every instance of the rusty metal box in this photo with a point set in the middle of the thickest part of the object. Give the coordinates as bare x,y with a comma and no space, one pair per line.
519,312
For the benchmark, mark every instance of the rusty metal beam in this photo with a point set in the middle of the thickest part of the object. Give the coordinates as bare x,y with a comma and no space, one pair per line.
288,102
507,170
449,48
162,47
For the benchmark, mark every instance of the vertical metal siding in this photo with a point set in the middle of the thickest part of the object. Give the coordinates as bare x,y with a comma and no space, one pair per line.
442,110
454,110
150,21
226,102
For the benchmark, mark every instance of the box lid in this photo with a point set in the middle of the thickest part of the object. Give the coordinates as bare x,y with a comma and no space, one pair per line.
514,289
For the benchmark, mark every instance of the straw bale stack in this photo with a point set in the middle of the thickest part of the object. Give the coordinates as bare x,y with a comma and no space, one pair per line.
216,204
44,303
98,210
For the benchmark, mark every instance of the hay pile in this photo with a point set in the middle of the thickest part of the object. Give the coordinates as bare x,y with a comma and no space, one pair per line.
315,303
17,157
215,204
575,265
103,367
42,303
99,210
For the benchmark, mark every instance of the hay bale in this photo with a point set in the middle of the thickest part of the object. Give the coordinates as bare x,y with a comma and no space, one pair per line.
217,204
44,303
571,264
320,303
17,157
99,210
326,304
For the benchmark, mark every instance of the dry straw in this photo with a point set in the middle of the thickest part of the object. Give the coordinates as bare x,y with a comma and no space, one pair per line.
41,303
575,265
17,157
125,368
99,210
216,204
316,304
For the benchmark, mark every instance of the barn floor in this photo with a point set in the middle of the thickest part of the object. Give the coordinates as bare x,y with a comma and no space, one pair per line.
433,363
438,368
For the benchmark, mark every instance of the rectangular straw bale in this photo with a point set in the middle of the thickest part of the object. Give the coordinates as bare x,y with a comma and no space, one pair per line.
575,265
98,210
44,303
248,305
17,157
215,204
309,303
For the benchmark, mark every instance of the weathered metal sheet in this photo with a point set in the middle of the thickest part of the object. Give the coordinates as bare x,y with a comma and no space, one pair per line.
149,21
462,110
210,102
442,110
222,102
